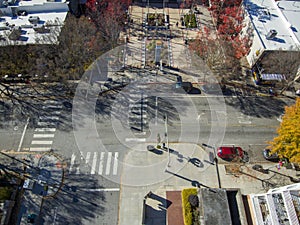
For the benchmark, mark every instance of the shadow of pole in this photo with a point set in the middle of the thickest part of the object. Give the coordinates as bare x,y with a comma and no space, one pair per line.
295,180
193,182
264,182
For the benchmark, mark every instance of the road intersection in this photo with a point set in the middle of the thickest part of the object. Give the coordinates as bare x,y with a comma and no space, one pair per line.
103,138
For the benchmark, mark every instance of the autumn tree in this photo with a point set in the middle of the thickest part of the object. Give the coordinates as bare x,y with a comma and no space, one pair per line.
217,53
287,143
228,16
34,70
109,17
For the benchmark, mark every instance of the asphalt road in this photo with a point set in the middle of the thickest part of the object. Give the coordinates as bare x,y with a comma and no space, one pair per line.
93,173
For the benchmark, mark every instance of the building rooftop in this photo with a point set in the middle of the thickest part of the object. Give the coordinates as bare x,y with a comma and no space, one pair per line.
214,206
280,205
276,23
31,22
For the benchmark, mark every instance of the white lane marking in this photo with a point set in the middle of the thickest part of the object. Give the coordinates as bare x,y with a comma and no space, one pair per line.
108,162
135,139
41,142
101,189
94,163
45,129
73,157
23,134
43,135
115,168
39,149
87,158
101,163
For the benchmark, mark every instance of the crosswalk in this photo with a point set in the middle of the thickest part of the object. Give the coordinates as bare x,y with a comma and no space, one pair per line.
46,125
170,53
144,52
94,163
137,115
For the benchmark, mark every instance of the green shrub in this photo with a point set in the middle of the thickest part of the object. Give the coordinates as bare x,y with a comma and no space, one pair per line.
186,206
190,21
5,193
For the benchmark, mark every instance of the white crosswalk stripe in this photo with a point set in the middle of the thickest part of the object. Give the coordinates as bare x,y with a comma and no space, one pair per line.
49,118
43,135
73,157
45,130
39,149
46,126
52,107
115,169
108,163
103,163
41,142
94,163
87,158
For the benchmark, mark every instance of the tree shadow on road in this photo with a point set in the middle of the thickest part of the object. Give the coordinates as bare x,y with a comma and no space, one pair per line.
75,203
261,107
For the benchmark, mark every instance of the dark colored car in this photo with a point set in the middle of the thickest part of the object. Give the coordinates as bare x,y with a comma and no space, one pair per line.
31,218
269,156
186,86
226,152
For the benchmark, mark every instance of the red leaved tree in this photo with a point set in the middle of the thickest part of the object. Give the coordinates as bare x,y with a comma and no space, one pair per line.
229,16
109,17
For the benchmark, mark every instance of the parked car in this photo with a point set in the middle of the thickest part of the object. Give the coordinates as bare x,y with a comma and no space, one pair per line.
230,152
270,156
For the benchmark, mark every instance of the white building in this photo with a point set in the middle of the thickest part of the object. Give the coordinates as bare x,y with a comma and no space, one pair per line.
31,21
280,206
275,31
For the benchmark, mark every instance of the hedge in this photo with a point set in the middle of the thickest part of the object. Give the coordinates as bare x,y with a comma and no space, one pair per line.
5,193
186,206
190,21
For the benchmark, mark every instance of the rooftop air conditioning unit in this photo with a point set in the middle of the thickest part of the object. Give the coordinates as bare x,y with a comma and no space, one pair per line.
34,19
271,34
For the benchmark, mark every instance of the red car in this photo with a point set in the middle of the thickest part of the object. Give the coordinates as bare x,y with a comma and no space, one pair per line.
230,152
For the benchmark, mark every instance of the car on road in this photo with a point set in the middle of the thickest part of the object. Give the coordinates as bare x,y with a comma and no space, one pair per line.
270,156
186,86
230,152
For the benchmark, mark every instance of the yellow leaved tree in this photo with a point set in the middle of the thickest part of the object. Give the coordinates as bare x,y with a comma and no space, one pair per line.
287,143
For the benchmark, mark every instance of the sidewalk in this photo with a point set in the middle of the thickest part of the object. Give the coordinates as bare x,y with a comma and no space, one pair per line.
187,164
46,175
146,171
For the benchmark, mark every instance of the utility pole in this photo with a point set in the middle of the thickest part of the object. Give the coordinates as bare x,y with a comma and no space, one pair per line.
167,138
20,161
215,161
142,112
